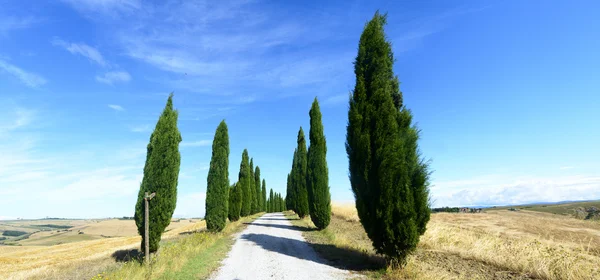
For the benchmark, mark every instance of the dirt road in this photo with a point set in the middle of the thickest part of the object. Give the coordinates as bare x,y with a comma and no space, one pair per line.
272,248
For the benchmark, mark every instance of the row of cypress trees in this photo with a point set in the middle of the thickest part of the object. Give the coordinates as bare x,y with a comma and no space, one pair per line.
308,181
275,202
161,172
246,197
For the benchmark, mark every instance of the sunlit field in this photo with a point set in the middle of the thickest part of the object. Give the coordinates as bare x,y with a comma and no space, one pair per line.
41,256
491,245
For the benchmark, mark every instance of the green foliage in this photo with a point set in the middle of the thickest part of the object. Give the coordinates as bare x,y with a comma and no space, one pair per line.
257,191
271,208
161,172
388,178
244,184
264,195
235,202
252,188
217,188
13,233
319,198
289,199
299,177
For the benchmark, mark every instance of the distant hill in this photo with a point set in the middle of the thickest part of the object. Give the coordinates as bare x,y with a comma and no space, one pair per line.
580,209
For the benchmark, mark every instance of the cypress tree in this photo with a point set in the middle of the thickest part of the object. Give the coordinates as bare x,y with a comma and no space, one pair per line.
251,187
387,175
288,194
264,195
217,199
300,177
319,198
161,172
244,184
257,192
271,201
235,202
292,183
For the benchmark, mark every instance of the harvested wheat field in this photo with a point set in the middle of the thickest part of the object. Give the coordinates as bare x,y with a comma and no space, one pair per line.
40,262
489,245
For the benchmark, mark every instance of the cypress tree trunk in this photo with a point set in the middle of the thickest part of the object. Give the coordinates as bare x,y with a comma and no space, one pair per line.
244,184
300,178
387,175
318,173
257,190
264,195
217,199
161,173
235,202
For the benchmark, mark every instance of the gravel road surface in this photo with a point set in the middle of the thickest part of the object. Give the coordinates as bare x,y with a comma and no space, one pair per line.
272,248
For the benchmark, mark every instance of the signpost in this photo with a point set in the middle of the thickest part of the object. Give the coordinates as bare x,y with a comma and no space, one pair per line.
147,227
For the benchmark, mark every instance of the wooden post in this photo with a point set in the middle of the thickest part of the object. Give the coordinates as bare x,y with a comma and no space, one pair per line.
147,227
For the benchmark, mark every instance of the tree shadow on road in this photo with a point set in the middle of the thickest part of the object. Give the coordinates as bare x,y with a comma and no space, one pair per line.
342,258
275,219
290,227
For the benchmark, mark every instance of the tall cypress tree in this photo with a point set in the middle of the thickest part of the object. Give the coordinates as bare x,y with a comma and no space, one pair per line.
388,177
257,191
217,199
319,198
264,195
300,177
161,172
271,201
252,189
244,184
288,193
292,183
235,202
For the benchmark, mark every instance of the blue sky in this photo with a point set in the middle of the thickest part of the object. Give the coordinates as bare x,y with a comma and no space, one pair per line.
506,94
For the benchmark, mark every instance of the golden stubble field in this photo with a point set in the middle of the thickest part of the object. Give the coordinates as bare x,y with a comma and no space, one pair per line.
39,262
491,245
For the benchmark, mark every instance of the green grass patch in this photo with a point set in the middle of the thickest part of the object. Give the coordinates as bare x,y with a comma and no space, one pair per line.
193,256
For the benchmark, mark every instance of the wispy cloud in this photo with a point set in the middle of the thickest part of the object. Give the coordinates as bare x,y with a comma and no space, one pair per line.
19,117
113,77
30,79
109,7
81,49
116,107
336,99
200,143
566,167
141,128
9,23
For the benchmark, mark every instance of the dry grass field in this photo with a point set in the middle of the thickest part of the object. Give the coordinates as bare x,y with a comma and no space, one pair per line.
44,262
490,245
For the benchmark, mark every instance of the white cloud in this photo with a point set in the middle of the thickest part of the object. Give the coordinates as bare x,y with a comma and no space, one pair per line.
499,190
112,77
116,107
81,49
200,143
30,79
